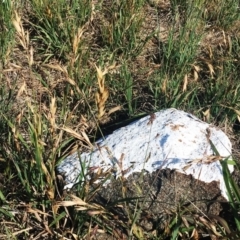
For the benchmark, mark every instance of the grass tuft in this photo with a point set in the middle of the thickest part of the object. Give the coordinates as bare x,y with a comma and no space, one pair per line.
6,31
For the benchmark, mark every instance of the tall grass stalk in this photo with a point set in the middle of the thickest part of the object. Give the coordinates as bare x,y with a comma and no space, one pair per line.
233,191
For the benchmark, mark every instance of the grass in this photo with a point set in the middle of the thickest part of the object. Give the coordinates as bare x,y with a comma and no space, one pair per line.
70,67
7,30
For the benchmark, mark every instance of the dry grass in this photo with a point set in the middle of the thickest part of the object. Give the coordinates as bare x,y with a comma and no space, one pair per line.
68,68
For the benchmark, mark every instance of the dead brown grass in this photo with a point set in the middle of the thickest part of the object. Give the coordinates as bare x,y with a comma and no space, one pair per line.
33,81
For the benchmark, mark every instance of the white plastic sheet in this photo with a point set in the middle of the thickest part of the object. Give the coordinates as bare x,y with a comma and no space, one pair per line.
167,139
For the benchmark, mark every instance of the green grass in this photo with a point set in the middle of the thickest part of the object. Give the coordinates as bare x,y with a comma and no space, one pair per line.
57,24
6,30
48,84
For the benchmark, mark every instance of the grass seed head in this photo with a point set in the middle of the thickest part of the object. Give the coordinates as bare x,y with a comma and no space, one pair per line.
102,93
185,83
22,35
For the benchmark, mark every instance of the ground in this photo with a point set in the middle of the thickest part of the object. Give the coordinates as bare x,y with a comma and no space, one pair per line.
72,70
